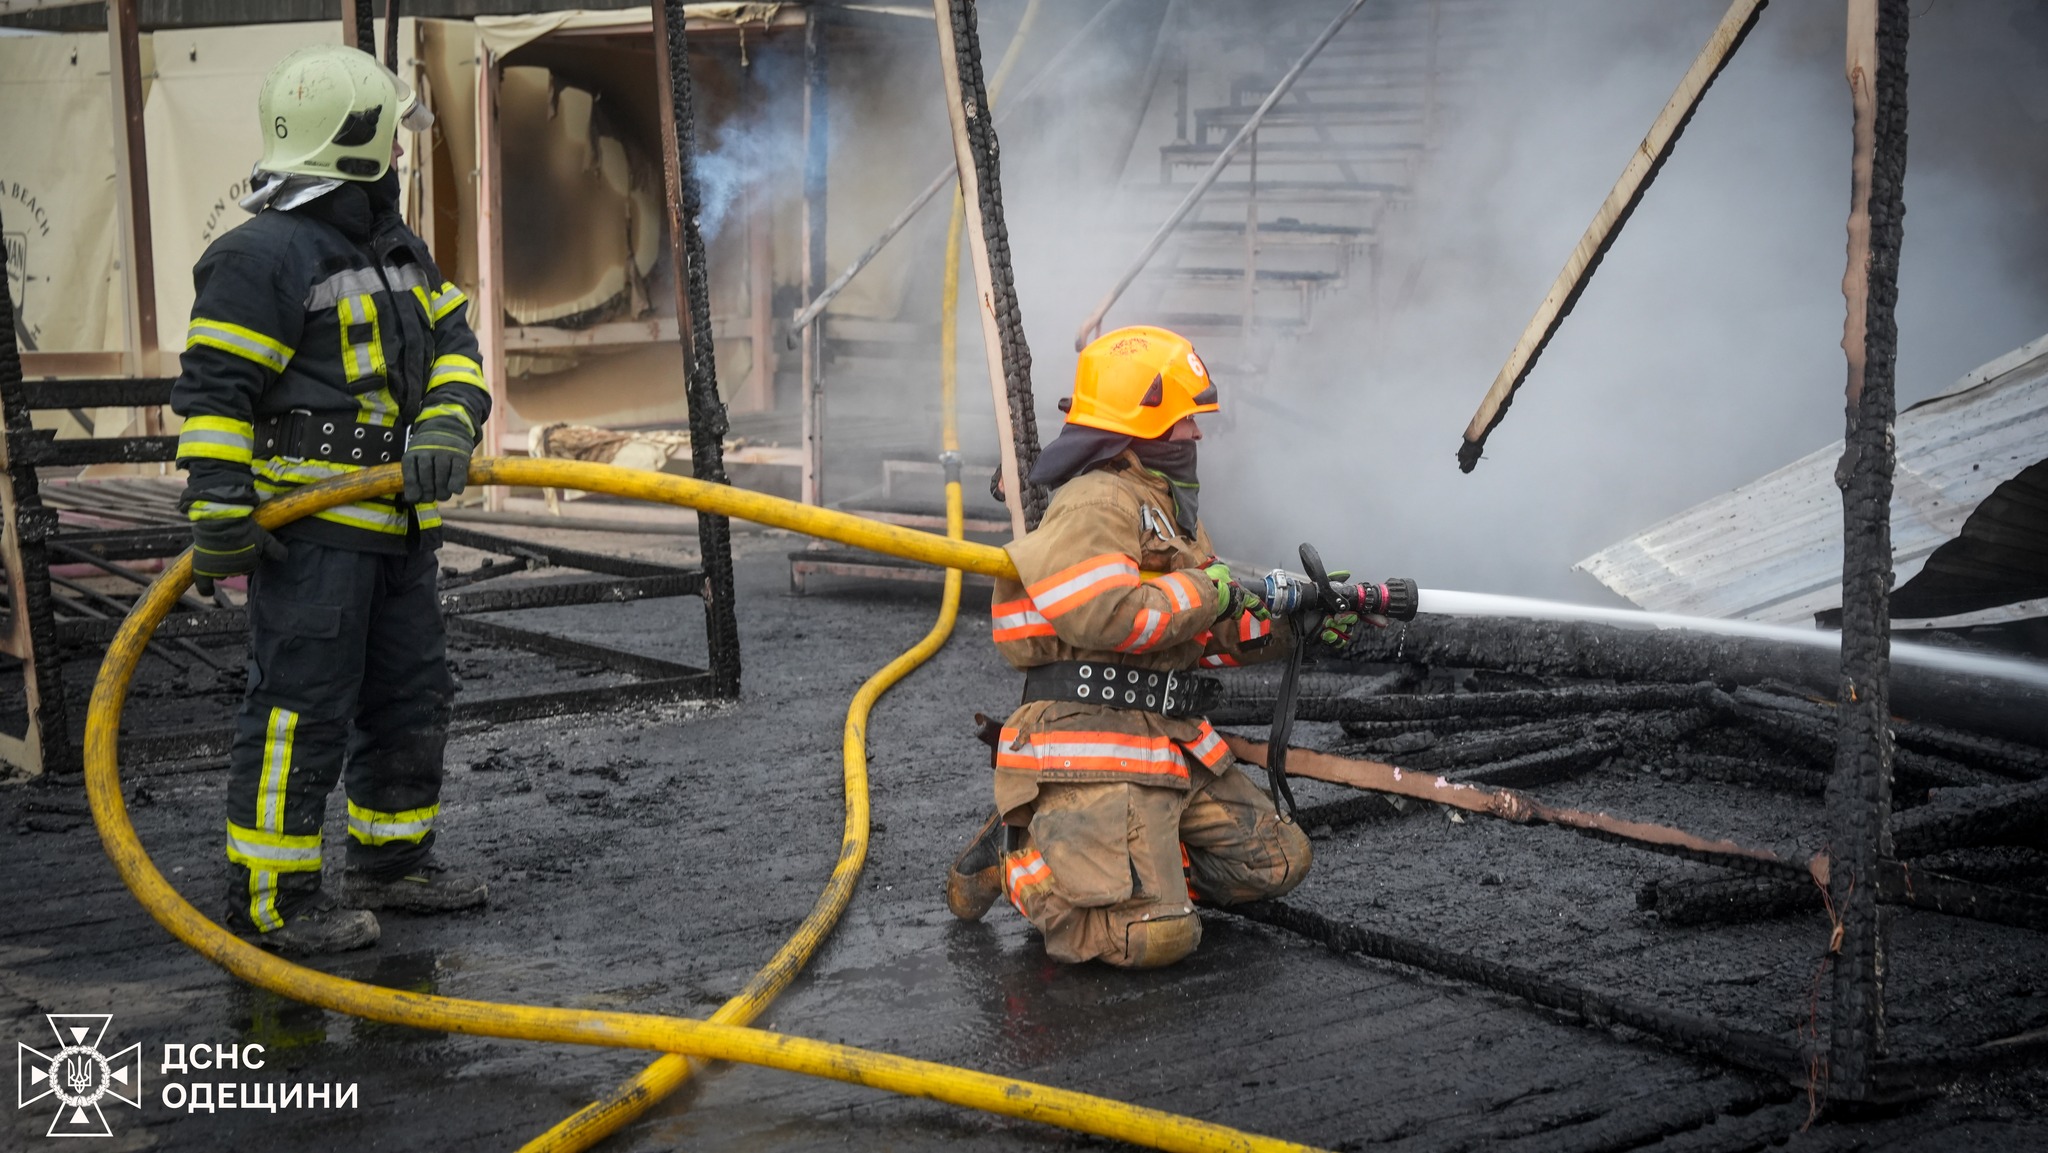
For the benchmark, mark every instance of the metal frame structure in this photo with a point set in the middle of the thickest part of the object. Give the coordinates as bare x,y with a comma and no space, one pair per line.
33,542
31,539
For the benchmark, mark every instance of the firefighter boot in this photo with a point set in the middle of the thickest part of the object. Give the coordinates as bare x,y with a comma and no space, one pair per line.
975,879
424,888
320,928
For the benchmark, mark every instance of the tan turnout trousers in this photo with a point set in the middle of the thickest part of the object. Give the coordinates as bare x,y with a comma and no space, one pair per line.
1111,872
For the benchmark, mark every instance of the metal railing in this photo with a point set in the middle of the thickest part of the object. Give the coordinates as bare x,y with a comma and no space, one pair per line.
804,316
1092,327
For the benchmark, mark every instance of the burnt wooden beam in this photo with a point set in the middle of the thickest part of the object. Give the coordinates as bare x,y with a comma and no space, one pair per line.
2008,711
1859,797
1960,818
1727,900
1636,178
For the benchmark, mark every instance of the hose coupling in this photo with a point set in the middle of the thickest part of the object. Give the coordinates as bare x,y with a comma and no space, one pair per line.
951,461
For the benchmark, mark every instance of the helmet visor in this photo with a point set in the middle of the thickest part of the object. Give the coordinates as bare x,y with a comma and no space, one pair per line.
413,113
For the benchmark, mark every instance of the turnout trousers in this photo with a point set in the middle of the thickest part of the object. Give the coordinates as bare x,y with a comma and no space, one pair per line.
1111,871
348,671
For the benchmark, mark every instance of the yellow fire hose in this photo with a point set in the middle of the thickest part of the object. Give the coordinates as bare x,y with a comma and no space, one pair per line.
610,1113
675,1035
595,1122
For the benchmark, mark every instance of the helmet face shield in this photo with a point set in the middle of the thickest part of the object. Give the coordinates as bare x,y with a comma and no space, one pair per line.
413,114
1140,381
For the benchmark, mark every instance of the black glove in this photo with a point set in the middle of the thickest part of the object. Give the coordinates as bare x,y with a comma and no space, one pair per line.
227,544
436,460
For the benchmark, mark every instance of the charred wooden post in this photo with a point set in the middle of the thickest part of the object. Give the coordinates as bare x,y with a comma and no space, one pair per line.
978,158
358,25
693,319
812,357
1859,794
390,34
25,527
131,156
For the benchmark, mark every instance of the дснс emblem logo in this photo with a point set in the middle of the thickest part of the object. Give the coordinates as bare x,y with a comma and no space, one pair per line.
78,1075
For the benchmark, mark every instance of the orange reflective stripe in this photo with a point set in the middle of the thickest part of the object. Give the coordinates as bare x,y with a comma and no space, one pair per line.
1070,588
1146,632
1094,752
1182,588
1019,619
1208,748
1219,661
1251,628
1027,871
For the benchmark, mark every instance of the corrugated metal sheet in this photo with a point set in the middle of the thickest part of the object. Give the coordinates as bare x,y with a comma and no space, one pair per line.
1772,549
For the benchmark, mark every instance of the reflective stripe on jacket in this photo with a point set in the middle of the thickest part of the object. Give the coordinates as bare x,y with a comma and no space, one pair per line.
1083,595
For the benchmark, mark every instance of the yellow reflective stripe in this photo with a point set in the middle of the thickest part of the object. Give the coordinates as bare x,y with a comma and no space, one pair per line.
275,477
428,514
278,852
217,438
455,368
454,410
287,471
246,343
279,730
370,827
217,510
377,407
263,900
366,517
366,359
361,515
446,301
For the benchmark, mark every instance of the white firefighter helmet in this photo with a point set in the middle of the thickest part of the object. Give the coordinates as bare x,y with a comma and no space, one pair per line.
332,111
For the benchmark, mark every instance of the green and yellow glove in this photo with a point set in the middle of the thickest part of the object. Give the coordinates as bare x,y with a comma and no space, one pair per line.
1233,599
1339,630
436,460
227,542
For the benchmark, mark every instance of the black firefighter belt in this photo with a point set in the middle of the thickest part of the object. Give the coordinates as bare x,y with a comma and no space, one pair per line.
337,437
1122,687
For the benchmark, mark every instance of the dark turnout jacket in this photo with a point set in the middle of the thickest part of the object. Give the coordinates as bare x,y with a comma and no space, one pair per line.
319,335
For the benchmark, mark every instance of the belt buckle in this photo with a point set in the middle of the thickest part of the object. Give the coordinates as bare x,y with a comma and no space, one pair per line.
291,427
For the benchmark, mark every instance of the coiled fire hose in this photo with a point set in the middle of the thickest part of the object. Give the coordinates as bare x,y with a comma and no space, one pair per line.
675,1035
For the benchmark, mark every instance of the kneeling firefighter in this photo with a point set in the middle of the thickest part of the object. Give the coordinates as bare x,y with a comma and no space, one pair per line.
324,340
1117,805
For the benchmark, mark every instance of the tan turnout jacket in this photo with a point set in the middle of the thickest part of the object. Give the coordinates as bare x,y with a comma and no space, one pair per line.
1083,597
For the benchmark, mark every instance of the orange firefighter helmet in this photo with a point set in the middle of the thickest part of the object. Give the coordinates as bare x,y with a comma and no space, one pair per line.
1139,381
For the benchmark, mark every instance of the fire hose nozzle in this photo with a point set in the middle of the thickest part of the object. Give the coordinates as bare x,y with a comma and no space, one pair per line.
1402,598
1289,592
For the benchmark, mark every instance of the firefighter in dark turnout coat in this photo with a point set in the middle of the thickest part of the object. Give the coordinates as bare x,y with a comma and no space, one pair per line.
323,340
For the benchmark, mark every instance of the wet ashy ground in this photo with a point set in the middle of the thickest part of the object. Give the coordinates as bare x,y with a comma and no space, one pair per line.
650,860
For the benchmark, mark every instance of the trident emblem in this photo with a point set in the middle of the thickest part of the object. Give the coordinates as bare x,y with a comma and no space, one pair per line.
78,1075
